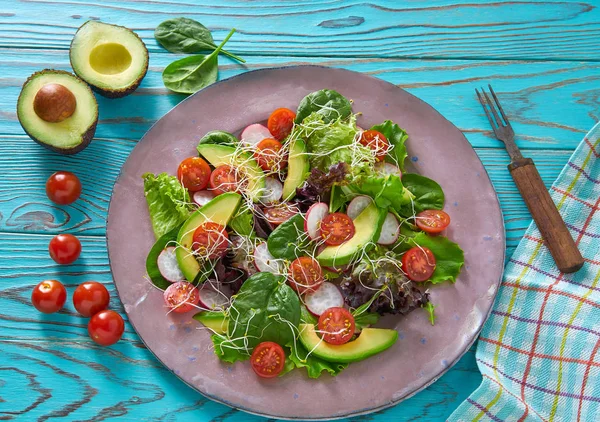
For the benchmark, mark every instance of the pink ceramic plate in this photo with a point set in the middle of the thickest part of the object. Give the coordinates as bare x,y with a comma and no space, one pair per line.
422,354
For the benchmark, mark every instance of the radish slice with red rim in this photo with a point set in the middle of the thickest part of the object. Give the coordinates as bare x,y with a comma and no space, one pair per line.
272,192
358,205
389,231
325,297
212,298
265,262
255,133
203,197
168,266
312,223
388,168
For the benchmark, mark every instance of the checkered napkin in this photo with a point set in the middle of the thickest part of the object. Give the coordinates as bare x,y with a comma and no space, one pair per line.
539,352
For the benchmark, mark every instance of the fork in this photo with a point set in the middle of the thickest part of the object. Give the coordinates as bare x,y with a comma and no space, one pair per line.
523,171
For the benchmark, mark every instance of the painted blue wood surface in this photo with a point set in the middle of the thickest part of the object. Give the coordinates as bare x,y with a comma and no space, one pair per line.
542,58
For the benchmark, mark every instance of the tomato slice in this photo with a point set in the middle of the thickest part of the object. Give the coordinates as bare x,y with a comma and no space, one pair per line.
278,214
210,240
418,263
267,359
336,325
376,141
281,122
194,172
305,275
269,155
433,221
181,297
337,228
224,179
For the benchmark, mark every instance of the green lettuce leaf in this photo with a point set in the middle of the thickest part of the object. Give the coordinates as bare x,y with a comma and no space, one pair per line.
387,191
428,194
168,202
397,137
299,357
227,351
242,222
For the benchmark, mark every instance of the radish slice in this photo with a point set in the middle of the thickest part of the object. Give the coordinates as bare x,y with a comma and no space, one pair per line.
389,231
272,192
255,133
359,129
357,205
388,168
212,298
327,296
266,262
312,223
167,265
203,197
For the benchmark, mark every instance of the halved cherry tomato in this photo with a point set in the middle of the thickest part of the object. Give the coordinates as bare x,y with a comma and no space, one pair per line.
63,187
278,214
49,296
305,275
193,173
336,325
224,179
106,327
418,263
64,248
181,297
433,221
269,155
337,228
267,359
376,141
210,240
90,298
281,122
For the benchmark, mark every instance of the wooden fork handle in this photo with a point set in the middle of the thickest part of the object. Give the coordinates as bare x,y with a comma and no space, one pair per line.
551,225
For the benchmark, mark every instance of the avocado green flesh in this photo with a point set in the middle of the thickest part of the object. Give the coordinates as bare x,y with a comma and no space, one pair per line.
370,342
298,168
220,210
73,133
219,155
367,229
216,321
111,58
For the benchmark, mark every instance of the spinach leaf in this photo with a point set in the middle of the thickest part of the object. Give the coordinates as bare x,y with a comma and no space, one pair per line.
366,319
314,365
328,104
387,191
306,317
397,137
242,222
428,194
168,202
152,261
337,199
183,35
286,241
193,73
219,137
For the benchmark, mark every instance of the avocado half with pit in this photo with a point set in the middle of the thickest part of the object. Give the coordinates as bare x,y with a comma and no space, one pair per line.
111,58
58,111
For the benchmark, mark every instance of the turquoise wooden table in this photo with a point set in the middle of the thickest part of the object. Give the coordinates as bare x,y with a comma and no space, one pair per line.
541,56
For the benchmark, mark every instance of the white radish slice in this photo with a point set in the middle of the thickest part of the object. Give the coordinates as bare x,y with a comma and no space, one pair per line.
272,192
358,205
389,231
255,133
388,168
312,223
167,265
265,262
203,197
325,297
212,298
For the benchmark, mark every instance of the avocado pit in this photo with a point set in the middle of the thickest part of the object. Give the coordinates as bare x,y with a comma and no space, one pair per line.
54,103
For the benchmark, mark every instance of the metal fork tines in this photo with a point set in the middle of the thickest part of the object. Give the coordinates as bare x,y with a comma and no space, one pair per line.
501,126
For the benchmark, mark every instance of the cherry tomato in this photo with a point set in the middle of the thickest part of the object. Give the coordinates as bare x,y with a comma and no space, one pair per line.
181,297
269,155
63,188
106,327
64,248
278,214
90,298
224,179
433,221
281,122
210,240
376,141
193,173
267,359
305,275
336,325
418,263
337,228
49,296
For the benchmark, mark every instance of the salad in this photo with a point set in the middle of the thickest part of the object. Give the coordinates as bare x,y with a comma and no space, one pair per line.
291,241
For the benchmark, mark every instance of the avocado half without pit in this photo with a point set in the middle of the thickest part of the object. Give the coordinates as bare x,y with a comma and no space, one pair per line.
58,110
112,59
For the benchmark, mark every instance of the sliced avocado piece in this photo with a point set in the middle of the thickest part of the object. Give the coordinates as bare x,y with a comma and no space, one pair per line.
219,155
58,111
298,169
219,210
368,228
111,58
370,342
216,321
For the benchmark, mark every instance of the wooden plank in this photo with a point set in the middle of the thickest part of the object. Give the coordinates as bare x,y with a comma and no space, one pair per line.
66,375
381,28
